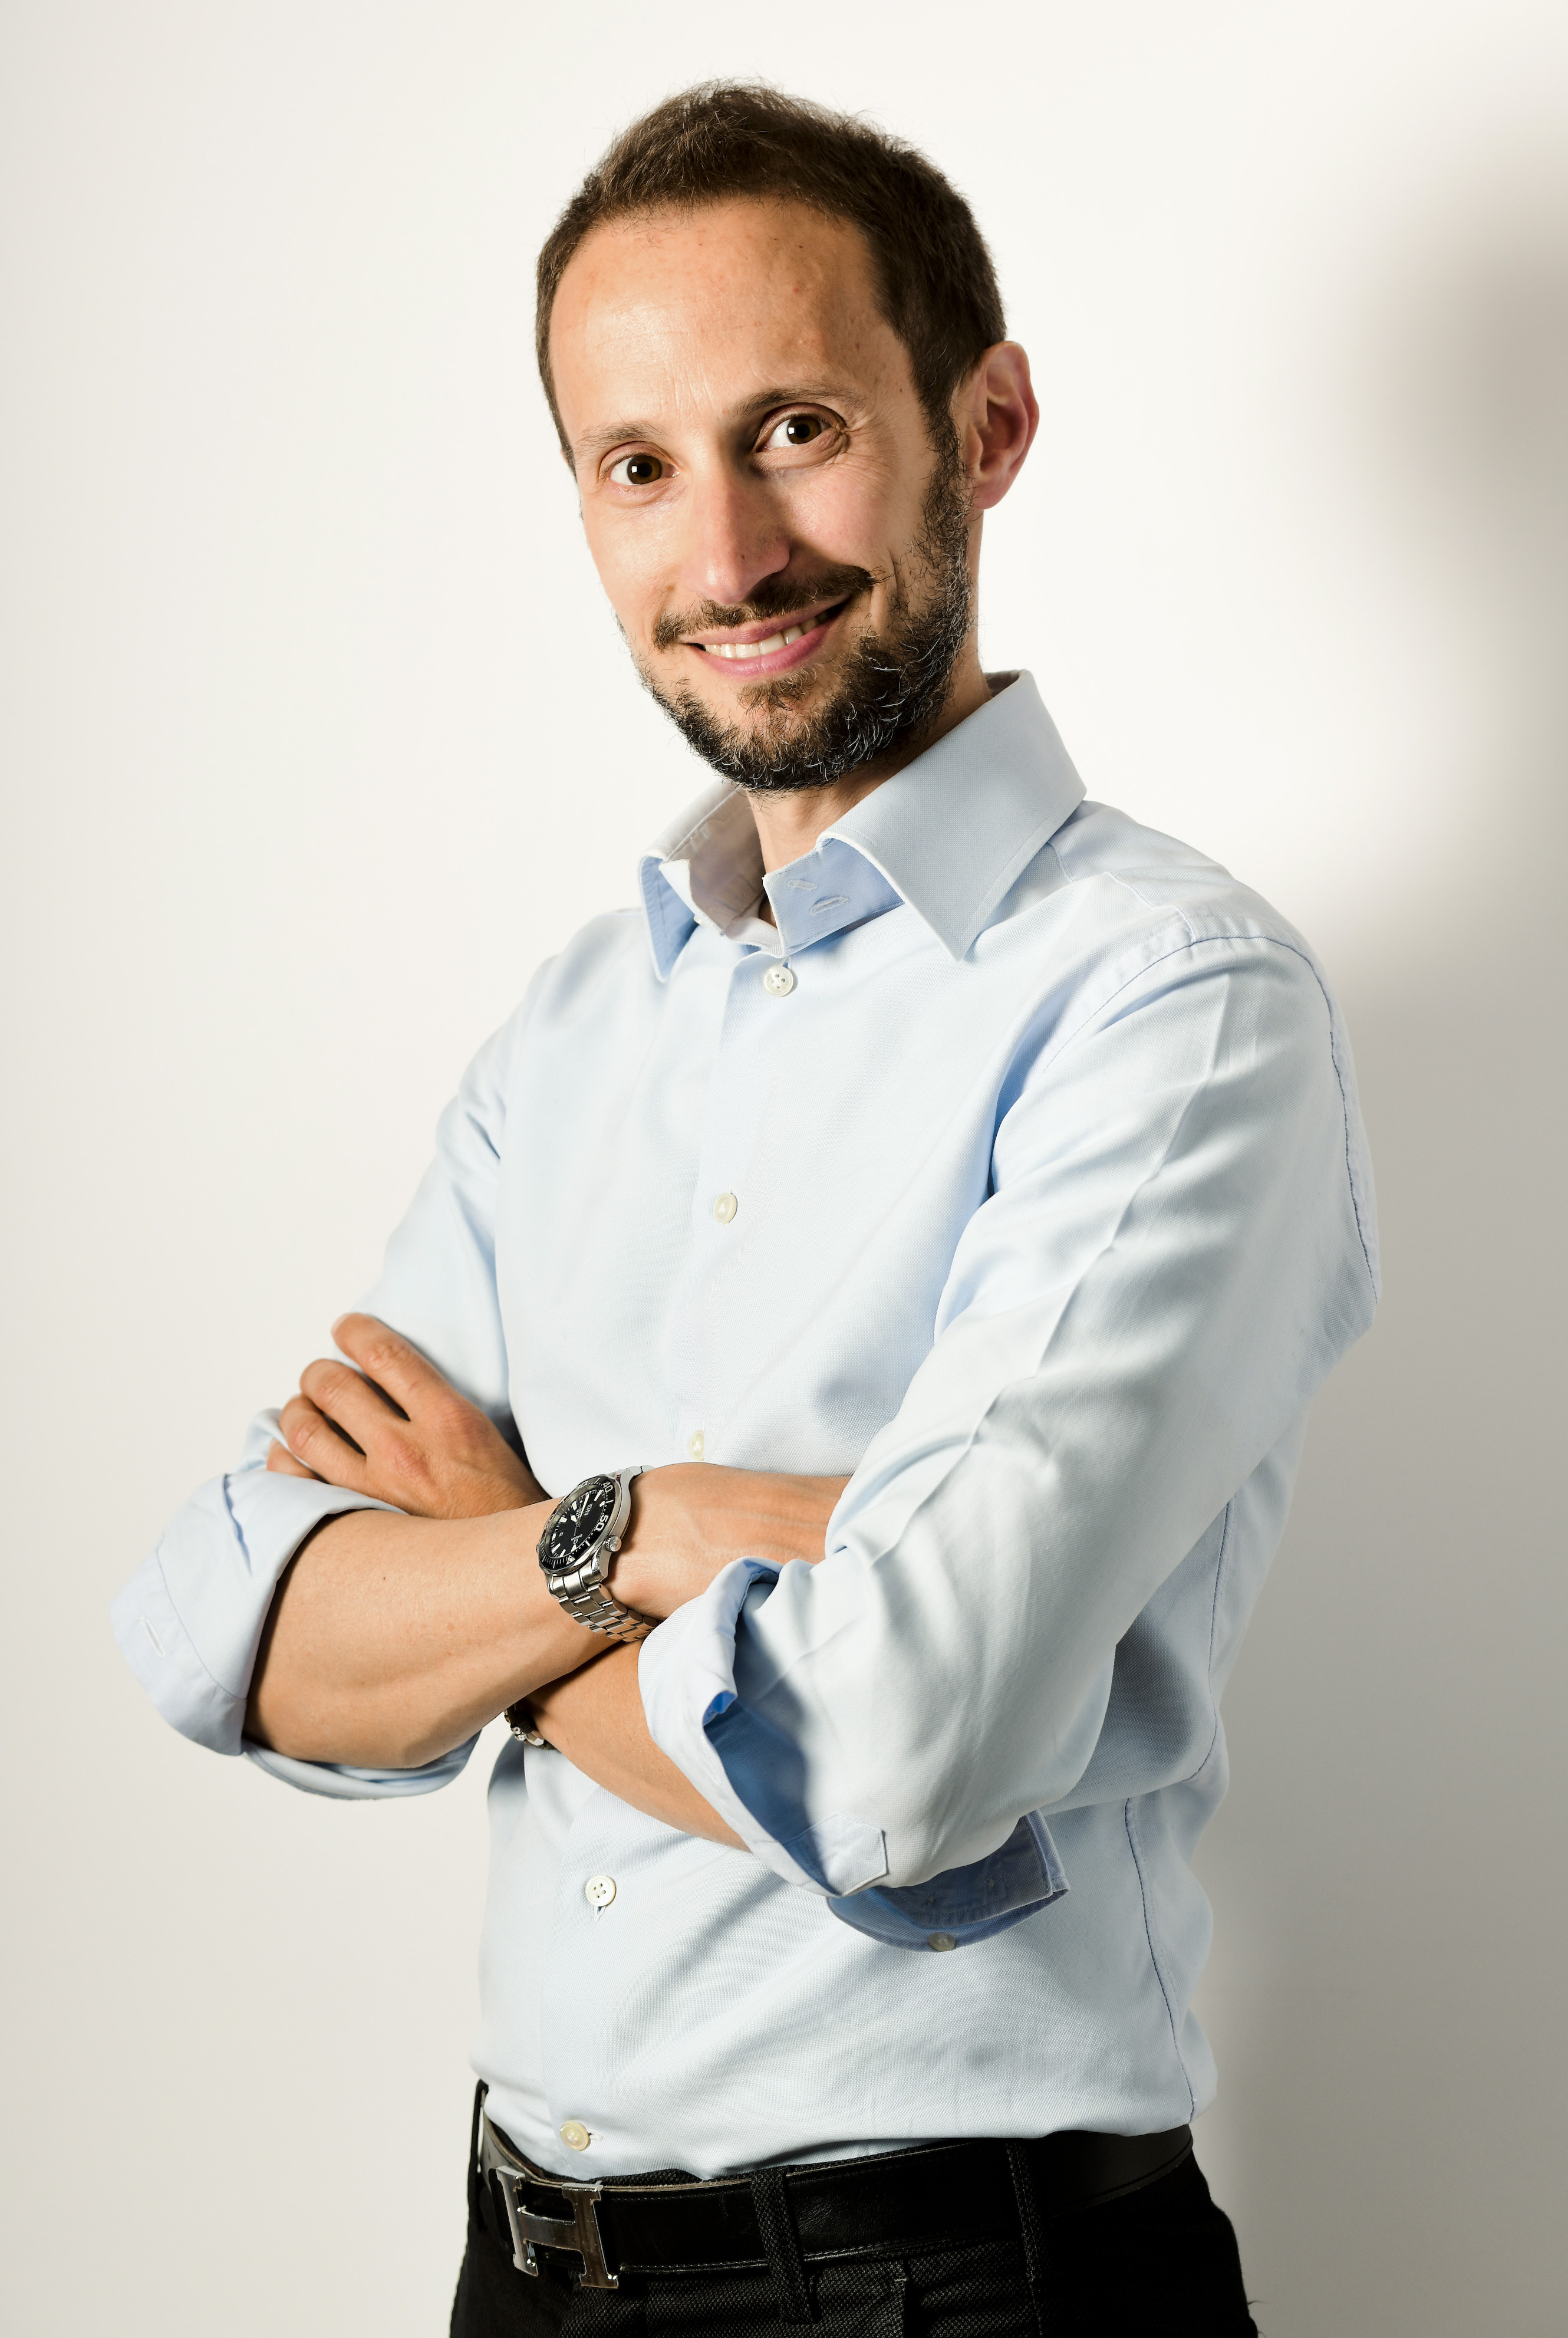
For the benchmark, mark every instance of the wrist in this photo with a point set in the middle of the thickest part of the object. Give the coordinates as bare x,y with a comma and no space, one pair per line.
578,1550
691,1518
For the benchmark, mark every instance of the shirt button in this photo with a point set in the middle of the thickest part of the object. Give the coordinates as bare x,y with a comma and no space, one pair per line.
937,1940
779,981
599,1891
694,1445
725,1207
574,2135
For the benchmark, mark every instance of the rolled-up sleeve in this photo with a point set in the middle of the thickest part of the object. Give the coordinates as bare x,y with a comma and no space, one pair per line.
190,1620
1175,1251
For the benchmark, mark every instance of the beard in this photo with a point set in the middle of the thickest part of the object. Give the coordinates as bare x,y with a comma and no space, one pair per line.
893,687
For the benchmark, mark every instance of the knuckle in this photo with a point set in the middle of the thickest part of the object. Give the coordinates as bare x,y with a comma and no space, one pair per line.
407,1461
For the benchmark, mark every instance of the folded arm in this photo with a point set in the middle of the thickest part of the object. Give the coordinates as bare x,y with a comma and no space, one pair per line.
594,1717
397,1633
1169,1263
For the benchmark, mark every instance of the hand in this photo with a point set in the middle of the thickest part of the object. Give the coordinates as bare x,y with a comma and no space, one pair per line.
398,1431
691,1518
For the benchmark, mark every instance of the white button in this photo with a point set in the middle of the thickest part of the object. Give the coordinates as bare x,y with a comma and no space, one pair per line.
779,981
725,1207
694,1445
574,2135
599,1891
938,1941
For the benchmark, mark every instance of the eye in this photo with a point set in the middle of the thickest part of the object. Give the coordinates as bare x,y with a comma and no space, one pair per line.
795,430
636,471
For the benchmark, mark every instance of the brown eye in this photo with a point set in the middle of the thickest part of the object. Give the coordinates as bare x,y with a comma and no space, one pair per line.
795,430
637,471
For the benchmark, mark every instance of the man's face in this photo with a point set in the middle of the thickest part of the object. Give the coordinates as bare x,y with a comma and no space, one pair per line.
787,553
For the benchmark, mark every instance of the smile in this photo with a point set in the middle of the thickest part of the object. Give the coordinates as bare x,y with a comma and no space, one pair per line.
773,652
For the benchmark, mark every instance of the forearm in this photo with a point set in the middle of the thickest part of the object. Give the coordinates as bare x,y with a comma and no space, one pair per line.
392,1639
594,1717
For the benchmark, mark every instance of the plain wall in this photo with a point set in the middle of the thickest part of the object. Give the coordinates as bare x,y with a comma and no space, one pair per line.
318,737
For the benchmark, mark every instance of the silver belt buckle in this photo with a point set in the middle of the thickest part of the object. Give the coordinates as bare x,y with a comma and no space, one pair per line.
582,2237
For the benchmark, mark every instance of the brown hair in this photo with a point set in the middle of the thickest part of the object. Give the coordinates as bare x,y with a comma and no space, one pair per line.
934,280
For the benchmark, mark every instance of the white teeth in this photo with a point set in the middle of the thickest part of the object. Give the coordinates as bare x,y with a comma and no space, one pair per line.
757,649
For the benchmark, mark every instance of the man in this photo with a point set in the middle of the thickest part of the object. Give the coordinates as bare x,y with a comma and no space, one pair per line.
951,1195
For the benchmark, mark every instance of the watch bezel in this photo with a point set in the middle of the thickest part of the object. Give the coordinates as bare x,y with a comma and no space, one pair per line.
578,1579
585,1555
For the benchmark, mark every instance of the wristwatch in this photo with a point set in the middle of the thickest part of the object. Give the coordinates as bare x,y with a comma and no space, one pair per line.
575,1550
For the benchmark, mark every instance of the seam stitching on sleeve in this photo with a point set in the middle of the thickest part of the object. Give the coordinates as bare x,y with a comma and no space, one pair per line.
1213,1627
1154,1954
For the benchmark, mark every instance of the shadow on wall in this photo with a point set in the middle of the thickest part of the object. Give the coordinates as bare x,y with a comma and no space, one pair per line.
1386,1997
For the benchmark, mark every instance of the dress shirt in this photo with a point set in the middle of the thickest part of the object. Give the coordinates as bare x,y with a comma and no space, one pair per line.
1015,1169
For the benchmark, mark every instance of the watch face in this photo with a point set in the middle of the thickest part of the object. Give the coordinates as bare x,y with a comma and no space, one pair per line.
578,1524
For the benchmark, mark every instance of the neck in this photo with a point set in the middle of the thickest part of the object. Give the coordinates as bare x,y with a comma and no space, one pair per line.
790,821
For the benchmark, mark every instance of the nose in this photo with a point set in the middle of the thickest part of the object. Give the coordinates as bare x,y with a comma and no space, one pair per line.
735,537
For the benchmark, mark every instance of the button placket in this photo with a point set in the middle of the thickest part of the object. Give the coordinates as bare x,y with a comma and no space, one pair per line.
739,1078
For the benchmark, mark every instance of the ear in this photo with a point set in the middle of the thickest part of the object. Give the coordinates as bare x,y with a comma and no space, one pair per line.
996,414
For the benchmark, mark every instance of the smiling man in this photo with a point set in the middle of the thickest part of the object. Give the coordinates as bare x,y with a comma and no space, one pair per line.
839,1386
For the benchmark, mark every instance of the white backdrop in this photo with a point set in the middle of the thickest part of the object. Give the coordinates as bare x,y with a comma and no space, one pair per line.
317,738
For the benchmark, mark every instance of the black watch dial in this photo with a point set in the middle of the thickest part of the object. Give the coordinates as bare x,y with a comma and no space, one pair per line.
577,1527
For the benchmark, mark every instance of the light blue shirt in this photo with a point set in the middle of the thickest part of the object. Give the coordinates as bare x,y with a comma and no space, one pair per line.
1039,1201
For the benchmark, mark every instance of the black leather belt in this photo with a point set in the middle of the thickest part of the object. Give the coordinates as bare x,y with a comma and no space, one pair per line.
896,2203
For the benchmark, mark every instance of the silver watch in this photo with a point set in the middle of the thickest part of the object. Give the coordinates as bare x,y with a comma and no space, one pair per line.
575,1550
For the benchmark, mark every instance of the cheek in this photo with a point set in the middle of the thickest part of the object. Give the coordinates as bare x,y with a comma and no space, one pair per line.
850,514
629,559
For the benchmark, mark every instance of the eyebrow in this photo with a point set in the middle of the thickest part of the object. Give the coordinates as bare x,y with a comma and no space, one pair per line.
594,442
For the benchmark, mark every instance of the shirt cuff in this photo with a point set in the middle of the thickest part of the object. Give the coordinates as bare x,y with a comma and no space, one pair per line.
190,1621
964,1904
342,1784
754,1776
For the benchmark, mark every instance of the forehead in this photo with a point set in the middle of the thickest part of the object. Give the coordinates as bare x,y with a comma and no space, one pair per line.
703,310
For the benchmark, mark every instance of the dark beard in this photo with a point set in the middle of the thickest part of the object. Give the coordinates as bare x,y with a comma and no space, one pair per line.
894,686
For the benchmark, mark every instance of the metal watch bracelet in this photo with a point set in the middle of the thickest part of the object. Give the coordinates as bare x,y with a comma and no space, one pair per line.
582,1591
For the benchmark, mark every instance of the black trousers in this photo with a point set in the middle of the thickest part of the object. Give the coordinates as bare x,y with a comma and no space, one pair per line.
1161,2262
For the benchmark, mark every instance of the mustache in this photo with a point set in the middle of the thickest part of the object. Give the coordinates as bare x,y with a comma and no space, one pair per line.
773,598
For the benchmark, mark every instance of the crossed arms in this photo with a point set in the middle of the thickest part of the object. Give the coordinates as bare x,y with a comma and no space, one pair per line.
1130,1327
395,1634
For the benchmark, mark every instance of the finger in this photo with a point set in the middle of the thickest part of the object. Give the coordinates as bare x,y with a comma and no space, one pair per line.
360,1411
282,1464
314,1439
393,1362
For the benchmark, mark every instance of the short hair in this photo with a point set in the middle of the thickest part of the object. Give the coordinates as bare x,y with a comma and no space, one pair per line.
934,280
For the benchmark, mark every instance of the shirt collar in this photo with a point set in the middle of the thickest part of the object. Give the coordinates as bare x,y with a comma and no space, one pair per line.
948,836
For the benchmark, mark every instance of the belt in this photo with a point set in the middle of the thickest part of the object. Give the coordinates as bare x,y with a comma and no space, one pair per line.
896,2203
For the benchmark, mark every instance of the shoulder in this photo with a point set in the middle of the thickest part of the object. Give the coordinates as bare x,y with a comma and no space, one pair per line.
1138,878
607,960
609,955
1109,903
1115,916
